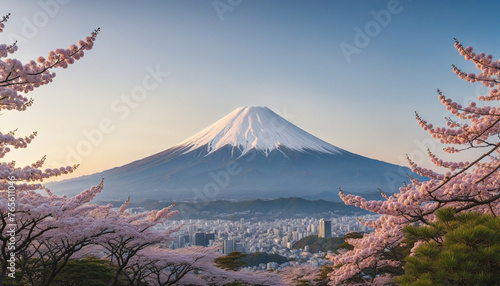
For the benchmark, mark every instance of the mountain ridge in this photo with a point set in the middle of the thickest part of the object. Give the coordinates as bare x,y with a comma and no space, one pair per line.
287,162
259,208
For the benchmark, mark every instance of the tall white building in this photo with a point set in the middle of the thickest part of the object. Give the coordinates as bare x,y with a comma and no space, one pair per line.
228,246
325,228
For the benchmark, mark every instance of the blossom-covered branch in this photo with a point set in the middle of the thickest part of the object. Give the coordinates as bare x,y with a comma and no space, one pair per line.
466,186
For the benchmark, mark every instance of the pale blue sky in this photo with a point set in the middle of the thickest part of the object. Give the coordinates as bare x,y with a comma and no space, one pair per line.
282,54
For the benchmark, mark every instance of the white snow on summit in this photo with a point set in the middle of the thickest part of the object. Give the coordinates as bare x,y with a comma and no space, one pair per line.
255,127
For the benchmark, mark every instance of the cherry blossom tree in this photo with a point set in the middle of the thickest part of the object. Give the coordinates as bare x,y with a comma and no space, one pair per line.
133,233
296,274
41,233
140,254
214,276
25,215
465,186
243,277
139,251
163,266
68,228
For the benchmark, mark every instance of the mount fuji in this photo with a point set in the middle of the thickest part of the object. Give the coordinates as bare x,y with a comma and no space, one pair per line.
252,153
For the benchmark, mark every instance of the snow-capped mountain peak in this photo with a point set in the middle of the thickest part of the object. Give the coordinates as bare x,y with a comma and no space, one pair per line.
259,128
289,162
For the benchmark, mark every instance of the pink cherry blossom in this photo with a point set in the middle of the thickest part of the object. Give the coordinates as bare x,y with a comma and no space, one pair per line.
466,186
45,227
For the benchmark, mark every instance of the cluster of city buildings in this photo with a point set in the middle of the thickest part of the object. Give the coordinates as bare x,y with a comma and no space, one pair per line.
272,236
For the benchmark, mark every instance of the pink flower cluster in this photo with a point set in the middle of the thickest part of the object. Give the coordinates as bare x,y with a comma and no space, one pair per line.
50,230
489,71
18,77
467,186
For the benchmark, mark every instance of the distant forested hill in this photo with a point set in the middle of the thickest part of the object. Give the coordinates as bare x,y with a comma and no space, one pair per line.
254,259
276,208
318,244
